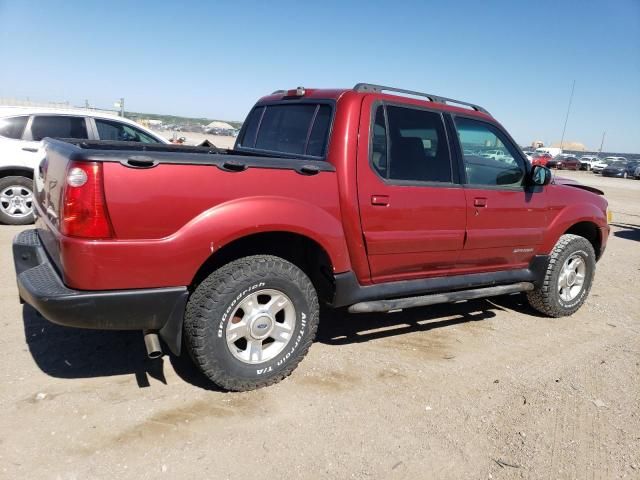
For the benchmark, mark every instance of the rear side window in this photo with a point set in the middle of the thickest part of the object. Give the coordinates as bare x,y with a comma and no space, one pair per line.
298,129
411,145
110,130
13,127
58,126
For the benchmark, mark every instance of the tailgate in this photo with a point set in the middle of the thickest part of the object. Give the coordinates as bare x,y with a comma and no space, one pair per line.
49,180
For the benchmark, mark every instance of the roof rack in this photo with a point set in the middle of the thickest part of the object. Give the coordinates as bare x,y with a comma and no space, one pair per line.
368,87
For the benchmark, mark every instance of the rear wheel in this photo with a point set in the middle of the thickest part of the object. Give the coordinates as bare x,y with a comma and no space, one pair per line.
251,322
625,174
568,278
16,200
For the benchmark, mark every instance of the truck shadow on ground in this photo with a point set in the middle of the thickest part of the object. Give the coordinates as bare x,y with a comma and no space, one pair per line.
338,327
64,352
628,232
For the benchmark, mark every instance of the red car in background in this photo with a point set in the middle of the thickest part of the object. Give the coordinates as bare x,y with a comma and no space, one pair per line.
541,159
564,163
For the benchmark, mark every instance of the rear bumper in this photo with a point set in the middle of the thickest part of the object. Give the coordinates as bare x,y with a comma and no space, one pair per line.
40,285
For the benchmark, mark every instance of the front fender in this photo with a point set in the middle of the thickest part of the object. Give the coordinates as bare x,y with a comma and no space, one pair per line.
564,217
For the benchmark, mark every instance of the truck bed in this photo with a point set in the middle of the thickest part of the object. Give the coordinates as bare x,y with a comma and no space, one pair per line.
179,204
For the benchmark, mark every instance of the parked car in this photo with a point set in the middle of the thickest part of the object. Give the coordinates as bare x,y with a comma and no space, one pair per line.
22,129
499,155
335,196
599,166
620,168
587,160
563,162
541,158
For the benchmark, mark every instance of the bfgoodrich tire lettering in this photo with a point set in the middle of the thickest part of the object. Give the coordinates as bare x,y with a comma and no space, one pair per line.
559,295
214,303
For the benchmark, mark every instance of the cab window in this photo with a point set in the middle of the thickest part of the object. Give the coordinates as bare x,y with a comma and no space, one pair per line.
489,158
410,144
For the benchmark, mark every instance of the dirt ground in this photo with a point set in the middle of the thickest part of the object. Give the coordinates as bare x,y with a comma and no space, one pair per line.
484,389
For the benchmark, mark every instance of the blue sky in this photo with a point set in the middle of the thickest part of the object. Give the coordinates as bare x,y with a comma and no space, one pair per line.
214,59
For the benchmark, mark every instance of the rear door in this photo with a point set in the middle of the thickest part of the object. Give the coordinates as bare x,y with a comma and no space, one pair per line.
412,206
505,217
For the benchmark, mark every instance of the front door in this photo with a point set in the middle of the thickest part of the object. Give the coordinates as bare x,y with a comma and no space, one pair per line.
506,218
412,206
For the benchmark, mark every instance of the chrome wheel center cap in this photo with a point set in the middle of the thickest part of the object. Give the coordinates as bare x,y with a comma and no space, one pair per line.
571,278
261,326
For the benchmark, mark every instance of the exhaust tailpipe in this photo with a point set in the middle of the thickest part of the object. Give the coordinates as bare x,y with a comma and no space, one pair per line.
152,342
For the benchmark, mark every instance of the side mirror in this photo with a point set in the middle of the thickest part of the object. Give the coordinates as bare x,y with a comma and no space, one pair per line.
540,175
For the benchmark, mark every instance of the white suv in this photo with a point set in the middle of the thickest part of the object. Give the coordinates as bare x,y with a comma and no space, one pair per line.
22,129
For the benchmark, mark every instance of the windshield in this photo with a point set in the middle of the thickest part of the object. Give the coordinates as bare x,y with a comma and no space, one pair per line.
295,128
619,163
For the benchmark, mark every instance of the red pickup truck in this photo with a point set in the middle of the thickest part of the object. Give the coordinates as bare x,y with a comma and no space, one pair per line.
371,198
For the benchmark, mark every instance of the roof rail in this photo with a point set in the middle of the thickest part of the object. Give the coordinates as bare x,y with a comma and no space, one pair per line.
279,91
368,87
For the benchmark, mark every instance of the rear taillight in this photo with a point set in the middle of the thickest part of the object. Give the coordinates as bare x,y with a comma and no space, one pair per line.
84,209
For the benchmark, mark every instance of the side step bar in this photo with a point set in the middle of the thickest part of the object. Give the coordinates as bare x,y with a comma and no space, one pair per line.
410,302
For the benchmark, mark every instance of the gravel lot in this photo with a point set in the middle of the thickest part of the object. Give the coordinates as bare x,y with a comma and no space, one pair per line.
484,389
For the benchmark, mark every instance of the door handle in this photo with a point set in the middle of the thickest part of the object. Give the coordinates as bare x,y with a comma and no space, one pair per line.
479,202
380,200
29,149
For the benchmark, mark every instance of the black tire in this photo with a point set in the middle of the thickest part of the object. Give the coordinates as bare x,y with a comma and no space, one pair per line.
209,312
21,183
546,299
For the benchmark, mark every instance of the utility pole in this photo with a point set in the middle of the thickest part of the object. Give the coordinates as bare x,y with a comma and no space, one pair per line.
86,104
122,105
564,129
602,142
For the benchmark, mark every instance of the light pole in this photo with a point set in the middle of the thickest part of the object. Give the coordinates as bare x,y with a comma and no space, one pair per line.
602,141
120,105
564,129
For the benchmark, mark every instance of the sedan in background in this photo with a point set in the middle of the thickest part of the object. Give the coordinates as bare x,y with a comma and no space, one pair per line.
599,166
621,169
564,163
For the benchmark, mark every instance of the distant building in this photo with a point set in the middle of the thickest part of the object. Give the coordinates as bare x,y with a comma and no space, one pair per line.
572,146
537,144
219,126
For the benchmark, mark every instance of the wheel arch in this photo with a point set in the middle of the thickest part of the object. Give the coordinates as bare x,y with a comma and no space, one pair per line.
301,250
16,171
590,231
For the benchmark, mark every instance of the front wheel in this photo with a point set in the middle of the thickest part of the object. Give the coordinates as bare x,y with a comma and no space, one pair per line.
251,322
16,201
568,278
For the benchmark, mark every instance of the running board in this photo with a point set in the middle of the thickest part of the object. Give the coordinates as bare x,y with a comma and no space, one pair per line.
410,302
